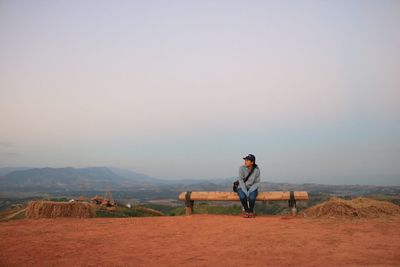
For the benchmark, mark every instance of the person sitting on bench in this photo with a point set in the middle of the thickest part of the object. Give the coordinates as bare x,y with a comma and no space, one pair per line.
249,181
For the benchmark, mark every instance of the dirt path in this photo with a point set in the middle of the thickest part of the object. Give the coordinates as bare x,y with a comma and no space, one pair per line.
199,240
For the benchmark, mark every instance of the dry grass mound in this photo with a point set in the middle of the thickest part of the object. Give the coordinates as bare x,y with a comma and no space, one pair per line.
50,209
355,208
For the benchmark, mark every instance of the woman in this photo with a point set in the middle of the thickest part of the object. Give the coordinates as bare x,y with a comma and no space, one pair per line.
249,181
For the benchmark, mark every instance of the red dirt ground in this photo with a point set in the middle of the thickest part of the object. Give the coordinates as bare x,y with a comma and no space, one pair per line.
200,240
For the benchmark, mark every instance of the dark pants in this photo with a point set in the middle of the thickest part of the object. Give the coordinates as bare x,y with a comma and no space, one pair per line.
252,199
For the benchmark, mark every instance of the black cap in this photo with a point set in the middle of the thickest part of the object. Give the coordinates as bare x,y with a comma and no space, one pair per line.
250,157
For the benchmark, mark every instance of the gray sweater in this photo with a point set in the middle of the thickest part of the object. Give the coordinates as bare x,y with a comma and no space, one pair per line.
252,183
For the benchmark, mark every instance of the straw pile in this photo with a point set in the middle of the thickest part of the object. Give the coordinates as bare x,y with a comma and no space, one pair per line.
50,209
355,208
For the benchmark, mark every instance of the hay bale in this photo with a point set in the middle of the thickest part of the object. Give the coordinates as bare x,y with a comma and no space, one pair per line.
355,208
51,209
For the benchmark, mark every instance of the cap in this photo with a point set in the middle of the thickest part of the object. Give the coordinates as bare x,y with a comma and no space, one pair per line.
250,157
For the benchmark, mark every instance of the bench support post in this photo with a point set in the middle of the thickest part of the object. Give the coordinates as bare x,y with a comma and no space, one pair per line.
189,203
292,204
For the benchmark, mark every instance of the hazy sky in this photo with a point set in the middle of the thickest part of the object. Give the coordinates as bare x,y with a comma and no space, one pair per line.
184,89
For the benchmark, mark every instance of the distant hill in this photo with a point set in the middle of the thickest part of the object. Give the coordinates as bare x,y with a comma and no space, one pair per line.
128,174
94,178
7,170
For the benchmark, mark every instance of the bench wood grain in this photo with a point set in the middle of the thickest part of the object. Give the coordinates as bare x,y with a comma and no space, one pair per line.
190,197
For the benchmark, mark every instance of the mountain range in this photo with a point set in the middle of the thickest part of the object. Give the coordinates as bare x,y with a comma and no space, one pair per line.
73,178
100,178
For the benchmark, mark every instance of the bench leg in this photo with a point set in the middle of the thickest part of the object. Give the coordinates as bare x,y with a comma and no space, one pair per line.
293,207
189,207
293,204
294,210
189,203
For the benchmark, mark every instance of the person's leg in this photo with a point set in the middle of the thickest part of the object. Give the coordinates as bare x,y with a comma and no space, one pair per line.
252,200
243,199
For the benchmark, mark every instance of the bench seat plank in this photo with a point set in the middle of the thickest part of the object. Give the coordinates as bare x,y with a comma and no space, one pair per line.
232,196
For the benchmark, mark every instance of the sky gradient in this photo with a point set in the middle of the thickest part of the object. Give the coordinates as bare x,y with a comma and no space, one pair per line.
184,89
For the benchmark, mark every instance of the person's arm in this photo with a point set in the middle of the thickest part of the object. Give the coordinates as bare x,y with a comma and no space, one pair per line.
241,181
257,181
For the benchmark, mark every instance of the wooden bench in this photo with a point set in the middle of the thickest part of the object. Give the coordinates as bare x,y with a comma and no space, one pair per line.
291,196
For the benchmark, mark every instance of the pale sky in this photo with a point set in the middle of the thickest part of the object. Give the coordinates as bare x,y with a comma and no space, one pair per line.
185,89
